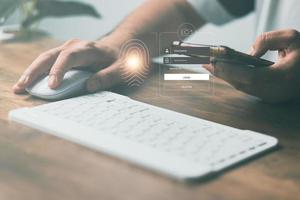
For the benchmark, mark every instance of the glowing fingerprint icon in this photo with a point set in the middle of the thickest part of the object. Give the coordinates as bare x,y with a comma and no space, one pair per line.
135,68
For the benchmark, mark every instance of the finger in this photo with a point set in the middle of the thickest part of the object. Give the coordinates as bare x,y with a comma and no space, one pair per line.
105,78
260,82
208,67
274,40
65,61
39,66
237,75
233,72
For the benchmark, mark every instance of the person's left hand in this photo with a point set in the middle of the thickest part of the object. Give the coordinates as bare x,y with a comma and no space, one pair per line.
277,83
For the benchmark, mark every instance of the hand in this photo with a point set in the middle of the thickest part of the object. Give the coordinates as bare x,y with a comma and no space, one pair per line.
101,57
277,83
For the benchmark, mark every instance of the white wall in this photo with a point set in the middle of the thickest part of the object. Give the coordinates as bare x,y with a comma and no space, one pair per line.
237,34
113,11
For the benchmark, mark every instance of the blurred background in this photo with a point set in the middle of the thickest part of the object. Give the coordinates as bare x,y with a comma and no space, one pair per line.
113,11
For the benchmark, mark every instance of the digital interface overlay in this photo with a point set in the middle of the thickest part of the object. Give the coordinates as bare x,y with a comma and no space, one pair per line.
136,62
180,71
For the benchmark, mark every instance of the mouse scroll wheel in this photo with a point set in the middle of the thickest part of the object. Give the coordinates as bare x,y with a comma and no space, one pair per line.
110,100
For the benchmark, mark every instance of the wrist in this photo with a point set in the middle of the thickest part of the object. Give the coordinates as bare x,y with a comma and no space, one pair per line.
116,39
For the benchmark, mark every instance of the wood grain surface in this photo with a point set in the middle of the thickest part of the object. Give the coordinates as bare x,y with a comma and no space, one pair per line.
38,166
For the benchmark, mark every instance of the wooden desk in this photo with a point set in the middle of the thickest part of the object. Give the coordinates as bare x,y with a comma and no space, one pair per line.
40,166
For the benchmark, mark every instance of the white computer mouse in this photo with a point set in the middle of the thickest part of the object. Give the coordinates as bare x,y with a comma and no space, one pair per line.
72,85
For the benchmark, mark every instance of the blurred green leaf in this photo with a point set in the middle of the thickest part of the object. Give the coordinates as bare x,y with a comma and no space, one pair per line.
7,7
55,8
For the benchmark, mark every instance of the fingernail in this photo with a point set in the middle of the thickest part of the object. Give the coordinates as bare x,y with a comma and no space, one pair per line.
17,90
53,81
15,87
92,85
23,80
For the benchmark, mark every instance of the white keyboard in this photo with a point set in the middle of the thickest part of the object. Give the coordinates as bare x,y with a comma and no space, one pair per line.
168,142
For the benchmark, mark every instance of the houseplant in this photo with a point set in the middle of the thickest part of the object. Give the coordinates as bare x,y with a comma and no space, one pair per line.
33,11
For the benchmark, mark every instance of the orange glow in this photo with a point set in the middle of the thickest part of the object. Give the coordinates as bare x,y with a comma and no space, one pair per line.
134,62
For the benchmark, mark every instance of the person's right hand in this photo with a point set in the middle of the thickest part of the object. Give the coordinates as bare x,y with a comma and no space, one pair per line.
100,56
277,83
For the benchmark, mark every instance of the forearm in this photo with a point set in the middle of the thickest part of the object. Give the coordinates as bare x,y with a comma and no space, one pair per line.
155,16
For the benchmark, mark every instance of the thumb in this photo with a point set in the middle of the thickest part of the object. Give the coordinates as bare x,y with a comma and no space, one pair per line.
104,79
274,40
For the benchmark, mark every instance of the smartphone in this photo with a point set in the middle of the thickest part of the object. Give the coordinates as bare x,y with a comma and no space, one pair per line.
218,53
